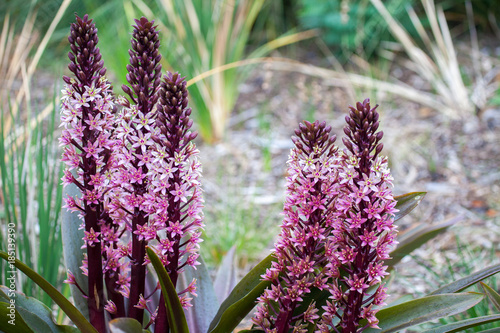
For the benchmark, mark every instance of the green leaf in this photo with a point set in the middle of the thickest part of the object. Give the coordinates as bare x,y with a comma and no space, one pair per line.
65,305
72,241
242,299
175,313
205,305
398,317
36,315
16,325
415,238
461,326
467,281
407,202
125,325
492,295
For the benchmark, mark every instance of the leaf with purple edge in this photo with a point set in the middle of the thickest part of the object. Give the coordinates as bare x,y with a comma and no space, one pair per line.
175,313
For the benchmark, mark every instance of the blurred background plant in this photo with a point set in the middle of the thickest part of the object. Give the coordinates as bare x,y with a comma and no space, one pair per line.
351,26
30,171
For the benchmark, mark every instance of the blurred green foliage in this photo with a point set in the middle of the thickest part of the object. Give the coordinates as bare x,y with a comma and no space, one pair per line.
350,26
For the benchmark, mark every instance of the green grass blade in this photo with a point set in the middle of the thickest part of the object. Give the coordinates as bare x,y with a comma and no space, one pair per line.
65,305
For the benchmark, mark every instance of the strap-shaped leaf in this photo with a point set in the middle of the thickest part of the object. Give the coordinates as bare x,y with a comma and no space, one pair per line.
407,202
242,299
34,313
492,295
125,325
467,281
11,320
416,237
65,305
225,280
205,305
414,312
72,241
175,313
461,326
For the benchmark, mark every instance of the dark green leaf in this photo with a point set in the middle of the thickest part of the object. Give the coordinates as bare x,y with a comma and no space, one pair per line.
125,325
175,313
492,295
36,314
398,317
407,202
467,281
242,299
65,305
415,238
12,322
461,326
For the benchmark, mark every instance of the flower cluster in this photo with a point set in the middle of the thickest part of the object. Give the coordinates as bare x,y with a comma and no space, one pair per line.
349,238
130,201
175,186
137,171
365,210
312,189
87,116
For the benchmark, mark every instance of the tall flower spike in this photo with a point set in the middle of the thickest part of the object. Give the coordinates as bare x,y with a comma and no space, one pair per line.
87,119
307,231
131,202
177,186
365,209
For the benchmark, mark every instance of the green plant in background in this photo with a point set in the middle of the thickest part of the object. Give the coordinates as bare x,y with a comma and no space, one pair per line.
205,39
350,26
30,173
